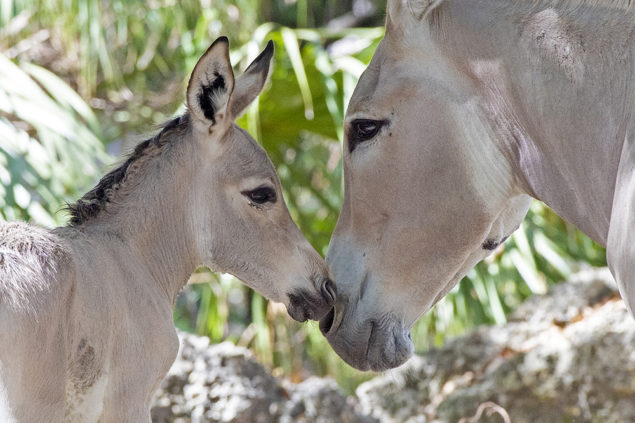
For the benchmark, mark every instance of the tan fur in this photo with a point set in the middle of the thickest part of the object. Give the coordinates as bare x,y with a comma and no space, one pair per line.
86,325
489,103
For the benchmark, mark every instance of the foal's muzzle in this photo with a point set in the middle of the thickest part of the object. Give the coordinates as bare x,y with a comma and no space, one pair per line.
305,305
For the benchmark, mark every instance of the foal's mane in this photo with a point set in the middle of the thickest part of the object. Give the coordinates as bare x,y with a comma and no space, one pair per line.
95,200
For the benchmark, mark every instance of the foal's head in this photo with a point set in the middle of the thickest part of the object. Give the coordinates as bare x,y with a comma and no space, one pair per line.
243,225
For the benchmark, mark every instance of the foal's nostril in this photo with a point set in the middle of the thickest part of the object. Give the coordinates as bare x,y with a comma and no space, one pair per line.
327,321
329,291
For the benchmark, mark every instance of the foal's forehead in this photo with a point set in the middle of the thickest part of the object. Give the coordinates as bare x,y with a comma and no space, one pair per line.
246,157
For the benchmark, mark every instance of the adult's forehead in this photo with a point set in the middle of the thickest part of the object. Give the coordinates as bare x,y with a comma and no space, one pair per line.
378,89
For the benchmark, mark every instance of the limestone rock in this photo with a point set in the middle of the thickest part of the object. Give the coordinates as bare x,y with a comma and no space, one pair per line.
224,383
568,356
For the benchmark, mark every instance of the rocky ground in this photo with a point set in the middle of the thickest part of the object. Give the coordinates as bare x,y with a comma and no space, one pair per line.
568,356
224,383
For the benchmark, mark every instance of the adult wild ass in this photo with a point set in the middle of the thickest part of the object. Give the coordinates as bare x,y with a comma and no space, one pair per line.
467,110
86,323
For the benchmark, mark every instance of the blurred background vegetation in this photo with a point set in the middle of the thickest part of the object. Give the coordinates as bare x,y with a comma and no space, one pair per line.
81,81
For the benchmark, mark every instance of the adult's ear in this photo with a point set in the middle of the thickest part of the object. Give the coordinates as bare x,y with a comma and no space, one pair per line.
417,8
211,85
250,83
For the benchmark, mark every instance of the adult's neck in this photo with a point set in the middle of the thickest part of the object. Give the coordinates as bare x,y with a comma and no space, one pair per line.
560,117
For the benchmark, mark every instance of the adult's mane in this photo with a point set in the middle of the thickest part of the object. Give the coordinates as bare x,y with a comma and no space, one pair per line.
605,4
95,200
612,7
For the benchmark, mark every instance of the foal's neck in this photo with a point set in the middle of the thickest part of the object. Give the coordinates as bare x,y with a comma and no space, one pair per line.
152,220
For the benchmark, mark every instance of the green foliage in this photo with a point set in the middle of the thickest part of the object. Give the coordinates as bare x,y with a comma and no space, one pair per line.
129,61
49,143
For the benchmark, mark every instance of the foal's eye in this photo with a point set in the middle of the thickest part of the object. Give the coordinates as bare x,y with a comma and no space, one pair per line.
363,130
261,195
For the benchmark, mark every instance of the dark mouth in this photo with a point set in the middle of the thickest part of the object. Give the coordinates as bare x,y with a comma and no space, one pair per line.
362,362
297,314
305,305
370,336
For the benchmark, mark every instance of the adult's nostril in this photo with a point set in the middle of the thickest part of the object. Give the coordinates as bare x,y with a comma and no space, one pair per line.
329,291
327,321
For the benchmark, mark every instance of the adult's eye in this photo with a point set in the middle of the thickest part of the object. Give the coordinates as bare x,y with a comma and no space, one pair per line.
363,130
261,195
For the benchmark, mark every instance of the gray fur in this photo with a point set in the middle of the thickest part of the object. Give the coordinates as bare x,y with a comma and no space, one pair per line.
491,103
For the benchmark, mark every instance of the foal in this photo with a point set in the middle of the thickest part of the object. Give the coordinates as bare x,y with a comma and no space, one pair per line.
86,329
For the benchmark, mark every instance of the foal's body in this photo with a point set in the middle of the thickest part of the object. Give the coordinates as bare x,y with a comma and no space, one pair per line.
86,324
93,330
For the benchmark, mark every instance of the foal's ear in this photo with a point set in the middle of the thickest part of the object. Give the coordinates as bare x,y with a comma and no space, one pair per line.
250,83
418,8
211,84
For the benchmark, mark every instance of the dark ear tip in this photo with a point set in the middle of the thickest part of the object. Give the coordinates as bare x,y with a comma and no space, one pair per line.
261,62
221,39
267,53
